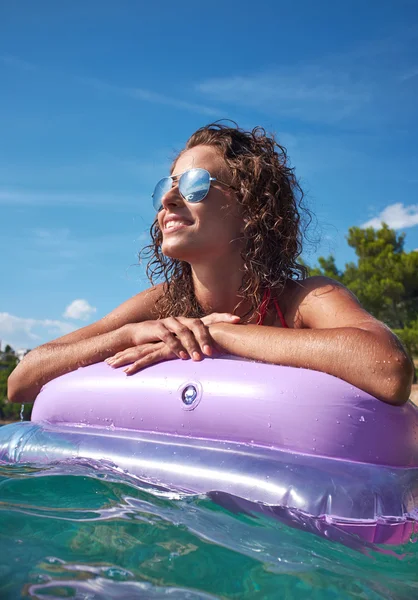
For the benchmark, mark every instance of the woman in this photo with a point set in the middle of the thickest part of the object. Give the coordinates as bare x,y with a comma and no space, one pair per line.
226,239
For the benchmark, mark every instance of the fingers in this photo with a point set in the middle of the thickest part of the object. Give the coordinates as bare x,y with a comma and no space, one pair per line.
202,338
220,318
193,334
155,354
128,356
188,332
184,337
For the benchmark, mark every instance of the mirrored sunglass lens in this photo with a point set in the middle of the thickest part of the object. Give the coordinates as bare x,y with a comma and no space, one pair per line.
162,187
194,185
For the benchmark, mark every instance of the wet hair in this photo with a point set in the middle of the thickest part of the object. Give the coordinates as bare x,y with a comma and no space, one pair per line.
270,198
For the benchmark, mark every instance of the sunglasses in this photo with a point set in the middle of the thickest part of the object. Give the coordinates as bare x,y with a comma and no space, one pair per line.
194,186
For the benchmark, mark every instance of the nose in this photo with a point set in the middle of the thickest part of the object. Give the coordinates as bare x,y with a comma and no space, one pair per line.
172,197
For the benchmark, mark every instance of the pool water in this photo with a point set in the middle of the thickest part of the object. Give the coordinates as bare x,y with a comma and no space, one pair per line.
86,531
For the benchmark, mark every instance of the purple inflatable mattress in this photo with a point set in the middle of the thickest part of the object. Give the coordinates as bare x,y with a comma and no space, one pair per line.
277,438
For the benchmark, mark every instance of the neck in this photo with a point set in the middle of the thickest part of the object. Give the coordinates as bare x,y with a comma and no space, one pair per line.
217,284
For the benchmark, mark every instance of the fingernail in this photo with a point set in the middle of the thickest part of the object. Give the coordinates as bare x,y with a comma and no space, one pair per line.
196,356
207,350
183,355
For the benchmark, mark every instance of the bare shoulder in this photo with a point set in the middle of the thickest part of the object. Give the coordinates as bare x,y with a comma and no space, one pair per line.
141,307
321,302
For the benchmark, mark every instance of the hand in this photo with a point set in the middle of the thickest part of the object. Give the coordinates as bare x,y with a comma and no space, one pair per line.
183,336
154,352
142,356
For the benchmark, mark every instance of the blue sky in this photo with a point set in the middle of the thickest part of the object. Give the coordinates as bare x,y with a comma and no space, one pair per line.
97,96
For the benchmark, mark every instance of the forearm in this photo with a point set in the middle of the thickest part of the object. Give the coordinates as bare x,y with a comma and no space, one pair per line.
52,360
355,355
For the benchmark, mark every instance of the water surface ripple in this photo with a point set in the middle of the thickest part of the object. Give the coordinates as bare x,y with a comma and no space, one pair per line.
87,532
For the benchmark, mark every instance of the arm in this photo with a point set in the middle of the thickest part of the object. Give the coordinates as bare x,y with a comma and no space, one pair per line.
126,332
85,346
332,333
52,360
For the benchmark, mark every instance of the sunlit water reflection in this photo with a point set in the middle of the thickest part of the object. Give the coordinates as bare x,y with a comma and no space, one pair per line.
87,532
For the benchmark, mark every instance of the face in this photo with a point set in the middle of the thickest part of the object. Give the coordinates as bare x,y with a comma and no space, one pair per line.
204,231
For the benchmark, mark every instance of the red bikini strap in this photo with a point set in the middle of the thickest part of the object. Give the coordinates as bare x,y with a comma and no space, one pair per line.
281,316
264,307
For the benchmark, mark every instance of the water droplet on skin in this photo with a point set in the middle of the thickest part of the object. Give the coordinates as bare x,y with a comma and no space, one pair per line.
269,425
349,416
362,419
338,422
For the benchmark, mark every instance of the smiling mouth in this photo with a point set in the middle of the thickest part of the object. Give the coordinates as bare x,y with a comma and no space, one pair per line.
175,225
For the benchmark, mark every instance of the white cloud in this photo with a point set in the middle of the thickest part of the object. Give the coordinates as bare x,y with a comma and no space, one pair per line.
103,86
21,332
312,93
147,96
396,215
80,310
13,61
409,74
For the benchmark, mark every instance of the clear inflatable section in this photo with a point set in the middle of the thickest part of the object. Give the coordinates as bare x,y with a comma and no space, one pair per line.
377,503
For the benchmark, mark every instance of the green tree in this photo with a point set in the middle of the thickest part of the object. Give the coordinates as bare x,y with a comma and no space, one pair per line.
9,411
385,277
328,268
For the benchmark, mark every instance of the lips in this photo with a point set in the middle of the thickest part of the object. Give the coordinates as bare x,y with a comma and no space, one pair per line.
173,223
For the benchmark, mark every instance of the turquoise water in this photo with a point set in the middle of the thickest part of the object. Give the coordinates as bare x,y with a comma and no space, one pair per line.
85,532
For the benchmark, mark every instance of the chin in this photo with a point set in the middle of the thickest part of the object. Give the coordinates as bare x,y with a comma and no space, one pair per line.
186,252
176,251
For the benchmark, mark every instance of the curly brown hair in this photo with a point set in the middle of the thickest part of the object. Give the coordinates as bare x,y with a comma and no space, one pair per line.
271,204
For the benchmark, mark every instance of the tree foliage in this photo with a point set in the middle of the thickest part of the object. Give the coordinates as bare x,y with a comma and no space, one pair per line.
9,411
384,279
